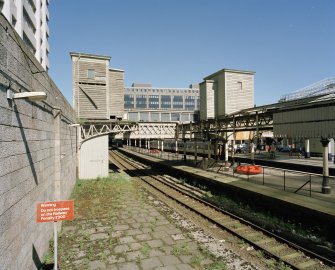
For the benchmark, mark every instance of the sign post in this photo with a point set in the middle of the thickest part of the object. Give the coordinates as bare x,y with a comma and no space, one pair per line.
53,212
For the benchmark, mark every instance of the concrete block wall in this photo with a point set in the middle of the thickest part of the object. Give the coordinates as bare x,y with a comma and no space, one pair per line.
37,153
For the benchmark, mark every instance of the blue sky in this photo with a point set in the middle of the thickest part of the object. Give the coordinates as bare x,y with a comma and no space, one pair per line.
172,43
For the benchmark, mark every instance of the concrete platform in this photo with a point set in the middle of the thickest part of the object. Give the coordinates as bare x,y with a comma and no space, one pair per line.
319,208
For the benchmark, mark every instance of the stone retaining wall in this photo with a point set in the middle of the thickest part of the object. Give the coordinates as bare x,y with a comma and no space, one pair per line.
37,153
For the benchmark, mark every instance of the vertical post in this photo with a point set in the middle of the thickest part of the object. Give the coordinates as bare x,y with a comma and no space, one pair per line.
263,175
233,141
184,141
252,152
226,152
55,246
310,186
284,181
209,149
307,151
176,137
325,182
195,151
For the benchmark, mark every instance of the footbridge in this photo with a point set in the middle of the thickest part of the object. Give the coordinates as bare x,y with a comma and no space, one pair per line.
94,135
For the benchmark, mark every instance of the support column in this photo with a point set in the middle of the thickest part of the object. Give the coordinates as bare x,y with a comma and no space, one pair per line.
184,149
140,142
135,142
216,149
233,151
252,152
195,151
148,144
307,150
226,151
176,146
325,183
209,149
162,147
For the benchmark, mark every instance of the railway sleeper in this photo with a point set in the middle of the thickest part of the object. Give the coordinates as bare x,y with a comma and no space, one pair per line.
278,248
252,235
291,256
307,264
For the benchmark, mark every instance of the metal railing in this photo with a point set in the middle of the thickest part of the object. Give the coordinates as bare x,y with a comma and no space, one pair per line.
302,183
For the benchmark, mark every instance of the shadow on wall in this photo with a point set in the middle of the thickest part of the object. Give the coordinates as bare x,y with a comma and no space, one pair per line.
37,261
24,139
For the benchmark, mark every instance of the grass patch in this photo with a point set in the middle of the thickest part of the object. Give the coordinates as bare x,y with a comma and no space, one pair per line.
218,266
181,249
145,249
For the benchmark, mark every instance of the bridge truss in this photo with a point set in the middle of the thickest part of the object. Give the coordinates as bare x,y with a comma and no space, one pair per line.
92,129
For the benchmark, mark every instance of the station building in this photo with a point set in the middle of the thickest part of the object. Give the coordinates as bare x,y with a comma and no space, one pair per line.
145,103
226,91
30,20
99,94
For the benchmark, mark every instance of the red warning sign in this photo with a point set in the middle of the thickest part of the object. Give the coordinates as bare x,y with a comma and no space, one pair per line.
55,211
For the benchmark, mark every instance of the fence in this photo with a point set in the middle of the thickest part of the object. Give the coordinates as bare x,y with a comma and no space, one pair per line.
302,183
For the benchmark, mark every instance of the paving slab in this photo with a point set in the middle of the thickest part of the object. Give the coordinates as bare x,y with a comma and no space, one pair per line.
117,226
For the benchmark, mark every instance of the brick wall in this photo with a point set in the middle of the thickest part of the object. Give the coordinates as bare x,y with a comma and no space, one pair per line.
37,153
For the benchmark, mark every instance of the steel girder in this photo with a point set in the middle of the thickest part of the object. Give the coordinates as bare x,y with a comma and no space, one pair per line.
234,123
95,129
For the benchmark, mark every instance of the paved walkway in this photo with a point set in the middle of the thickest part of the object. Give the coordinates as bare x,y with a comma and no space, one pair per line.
119,226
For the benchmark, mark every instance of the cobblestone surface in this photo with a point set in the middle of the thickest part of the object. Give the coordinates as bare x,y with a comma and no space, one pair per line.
117,227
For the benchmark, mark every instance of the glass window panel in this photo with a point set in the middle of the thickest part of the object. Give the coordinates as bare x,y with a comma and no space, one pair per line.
177,102
165,117
144,116
175,117
155,117
141,101
133,116
128,101
165,102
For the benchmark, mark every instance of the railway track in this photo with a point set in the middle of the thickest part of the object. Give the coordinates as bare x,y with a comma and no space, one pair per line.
274,246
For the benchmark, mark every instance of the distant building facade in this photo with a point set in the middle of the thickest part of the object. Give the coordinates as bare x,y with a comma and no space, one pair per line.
145,103
97,89
99,93
225,92
30,20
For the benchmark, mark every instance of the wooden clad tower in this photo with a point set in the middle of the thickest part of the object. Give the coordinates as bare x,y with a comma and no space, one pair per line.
225,92
97,89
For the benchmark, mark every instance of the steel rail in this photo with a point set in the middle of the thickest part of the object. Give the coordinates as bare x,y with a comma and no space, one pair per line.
218,223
